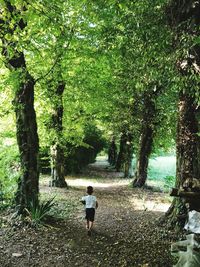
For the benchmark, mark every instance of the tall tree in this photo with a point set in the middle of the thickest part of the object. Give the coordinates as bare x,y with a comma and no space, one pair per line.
184,20
122,152
112,153
125,155
13,25
139,39
57,147
148,128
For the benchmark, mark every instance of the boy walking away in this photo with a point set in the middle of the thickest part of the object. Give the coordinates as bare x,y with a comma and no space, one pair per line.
91,204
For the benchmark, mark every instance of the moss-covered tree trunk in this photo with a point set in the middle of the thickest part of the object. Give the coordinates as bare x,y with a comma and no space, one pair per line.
184,19
187,140
27,138
187,154
57,148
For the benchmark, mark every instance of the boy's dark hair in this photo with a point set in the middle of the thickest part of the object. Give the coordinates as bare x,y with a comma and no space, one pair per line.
89,190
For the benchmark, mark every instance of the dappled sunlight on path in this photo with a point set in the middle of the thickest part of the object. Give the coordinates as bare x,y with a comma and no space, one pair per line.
98,184
126,231
147,203
109,183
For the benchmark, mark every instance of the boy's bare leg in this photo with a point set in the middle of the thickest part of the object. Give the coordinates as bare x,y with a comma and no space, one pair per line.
87,224
90,225
90,228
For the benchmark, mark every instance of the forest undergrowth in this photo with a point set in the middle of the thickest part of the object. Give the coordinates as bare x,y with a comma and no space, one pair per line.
127,231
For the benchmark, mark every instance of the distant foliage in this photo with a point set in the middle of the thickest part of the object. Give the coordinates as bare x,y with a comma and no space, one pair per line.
81,156
77,157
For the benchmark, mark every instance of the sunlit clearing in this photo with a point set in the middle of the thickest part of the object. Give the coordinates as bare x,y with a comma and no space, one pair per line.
162,166
85,183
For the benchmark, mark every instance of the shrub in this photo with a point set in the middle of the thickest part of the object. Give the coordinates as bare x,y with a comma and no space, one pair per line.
9,173
169,182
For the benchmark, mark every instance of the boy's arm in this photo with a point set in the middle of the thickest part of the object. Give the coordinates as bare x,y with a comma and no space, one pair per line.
83,201
97,204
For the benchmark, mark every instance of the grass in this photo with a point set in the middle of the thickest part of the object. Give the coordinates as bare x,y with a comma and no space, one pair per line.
161,172
161,167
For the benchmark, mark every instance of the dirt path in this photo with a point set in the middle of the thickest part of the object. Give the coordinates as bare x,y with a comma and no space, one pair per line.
126,230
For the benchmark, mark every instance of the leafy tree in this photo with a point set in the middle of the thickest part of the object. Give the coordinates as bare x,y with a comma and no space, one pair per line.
184,20
13,27
148,128
140,42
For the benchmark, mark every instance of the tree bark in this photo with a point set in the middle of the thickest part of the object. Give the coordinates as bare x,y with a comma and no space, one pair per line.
128,157
188,141
57,166
146,139
57,151
112,153
27,137
122,152
124,159
187,153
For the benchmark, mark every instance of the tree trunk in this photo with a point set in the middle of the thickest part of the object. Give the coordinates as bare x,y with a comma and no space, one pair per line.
184,18
57,166
112,153
146,139
128,156
27,137
145,148
124,159
122,152
57,151
187,153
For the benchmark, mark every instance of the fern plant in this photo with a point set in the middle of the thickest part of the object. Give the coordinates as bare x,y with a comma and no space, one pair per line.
38,212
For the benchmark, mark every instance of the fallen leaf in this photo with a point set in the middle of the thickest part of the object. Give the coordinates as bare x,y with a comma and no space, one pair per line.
17,255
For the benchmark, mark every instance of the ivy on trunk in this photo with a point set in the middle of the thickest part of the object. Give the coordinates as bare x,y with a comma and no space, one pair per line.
187,154
184,18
